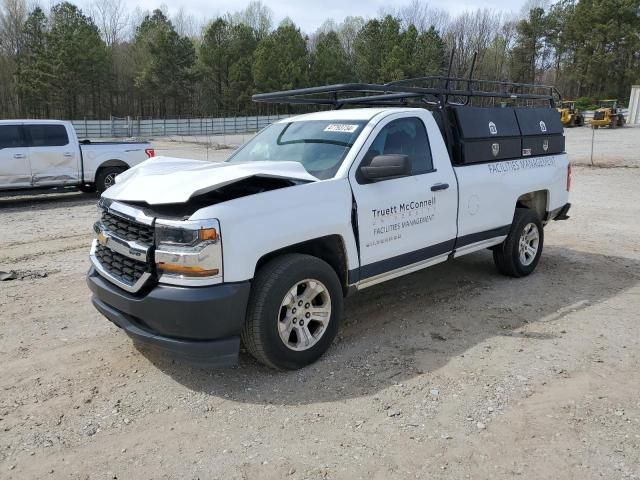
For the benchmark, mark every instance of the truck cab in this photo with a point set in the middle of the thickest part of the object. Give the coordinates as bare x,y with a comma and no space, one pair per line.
38,154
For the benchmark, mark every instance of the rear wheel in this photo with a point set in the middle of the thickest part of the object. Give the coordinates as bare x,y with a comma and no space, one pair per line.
294,311
106,177
519,254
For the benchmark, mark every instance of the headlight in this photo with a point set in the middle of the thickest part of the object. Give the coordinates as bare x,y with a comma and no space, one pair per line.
188,253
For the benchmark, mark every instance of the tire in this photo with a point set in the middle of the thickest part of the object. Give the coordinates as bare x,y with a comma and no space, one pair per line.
106,177
276,293
510,257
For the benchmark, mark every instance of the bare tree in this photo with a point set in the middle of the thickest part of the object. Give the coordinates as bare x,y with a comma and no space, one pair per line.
327,26
112,19
186,25
13,14
471,32
257,15
422,16
419,14
348,31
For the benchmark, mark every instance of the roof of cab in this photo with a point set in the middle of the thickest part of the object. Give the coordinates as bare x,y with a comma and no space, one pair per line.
31,121
348,114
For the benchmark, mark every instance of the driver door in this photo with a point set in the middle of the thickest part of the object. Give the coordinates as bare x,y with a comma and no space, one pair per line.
15,171
406,223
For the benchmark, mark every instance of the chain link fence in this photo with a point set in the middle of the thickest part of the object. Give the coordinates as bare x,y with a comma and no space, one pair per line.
117,127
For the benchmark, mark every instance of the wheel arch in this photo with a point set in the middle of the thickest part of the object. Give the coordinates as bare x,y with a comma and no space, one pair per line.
538,201
114,162
330,248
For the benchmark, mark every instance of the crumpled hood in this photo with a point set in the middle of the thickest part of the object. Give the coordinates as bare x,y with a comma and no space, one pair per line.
162,180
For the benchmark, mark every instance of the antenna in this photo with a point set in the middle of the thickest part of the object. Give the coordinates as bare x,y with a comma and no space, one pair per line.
470,77
446,85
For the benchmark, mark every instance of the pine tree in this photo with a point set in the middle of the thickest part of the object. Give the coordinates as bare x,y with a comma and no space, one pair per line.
79,61
34,72
166,64
281,60
329,63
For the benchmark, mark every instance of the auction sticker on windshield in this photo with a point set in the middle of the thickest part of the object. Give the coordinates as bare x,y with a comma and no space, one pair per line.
341,127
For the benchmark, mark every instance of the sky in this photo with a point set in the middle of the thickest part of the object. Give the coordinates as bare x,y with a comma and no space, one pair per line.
310,14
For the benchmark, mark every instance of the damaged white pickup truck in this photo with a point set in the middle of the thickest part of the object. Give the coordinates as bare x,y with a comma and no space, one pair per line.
195,257
38,154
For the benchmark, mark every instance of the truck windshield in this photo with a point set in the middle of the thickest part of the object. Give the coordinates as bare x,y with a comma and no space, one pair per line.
319,145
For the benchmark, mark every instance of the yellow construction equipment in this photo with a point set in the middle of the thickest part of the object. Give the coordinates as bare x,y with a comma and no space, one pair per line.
608,115
570,116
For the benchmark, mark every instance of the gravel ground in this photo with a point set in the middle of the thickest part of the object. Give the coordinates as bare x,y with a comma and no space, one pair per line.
611,147
452,372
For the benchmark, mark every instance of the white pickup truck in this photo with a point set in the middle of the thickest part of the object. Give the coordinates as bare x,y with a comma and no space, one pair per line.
46,154
194,257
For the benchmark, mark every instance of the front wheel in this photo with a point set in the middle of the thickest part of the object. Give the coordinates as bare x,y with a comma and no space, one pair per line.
294,311
519,254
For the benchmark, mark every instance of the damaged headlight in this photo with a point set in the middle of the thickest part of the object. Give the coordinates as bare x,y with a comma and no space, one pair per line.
188,253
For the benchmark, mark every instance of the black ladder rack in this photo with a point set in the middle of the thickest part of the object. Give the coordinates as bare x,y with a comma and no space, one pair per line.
427,92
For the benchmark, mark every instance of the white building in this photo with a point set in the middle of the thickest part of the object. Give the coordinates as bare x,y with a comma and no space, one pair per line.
634,106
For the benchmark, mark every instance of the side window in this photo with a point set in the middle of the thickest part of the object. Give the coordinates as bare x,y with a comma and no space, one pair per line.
405,136
10,136
47,135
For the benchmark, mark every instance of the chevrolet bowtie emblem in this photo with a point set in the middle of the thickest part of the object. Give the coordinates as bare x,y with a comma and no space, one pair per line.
102,238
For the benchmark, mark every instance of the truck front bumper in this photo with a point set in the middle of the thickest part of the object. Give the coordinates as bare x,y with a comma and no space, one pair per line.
201,325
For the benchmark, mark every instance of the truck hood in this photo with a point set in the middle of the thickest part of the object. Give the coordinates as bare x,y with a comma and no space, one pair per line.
165,180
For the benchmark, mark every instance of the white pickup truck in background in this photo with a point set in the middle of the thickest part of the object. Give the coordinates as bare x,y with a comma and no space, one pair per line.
192,256
47,153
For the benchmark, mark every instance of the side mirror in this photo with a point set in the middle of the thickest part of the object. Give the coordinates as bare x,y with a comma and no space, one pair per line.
383,167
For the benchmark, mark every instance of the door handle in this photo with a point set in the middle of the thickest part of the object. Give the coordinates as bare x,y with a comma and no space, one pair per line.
439,186
18,155
68,154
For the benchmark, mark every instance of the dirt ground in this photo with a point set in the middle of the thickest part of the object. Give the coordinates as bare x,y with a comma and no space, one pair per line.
454,372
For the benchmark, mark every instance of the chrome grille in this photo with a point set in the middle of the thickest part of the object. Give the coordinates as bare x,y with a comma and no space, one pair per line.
127,229
124,269
122,251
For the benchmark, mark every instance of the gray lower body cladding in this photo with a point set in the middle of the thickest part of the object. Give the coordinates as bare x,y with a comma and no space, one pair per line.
201,325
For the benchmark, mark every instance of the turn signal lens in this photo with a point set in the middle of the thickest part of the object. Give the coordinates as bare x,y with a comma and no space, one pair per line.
208,234
187,271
